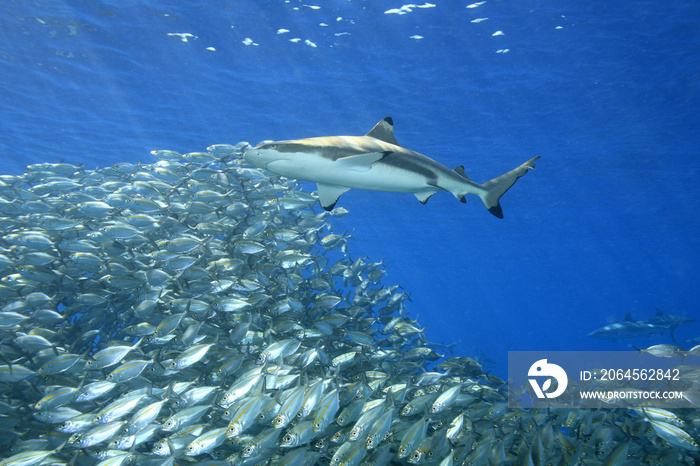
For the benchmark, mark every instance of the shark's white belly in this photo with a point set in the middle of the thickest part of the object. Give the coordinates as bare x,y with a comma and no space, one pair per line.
379,177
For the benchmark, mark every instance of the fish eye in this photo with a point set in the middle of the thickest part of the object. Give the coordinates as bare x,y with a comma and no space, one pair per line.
415,455
287,438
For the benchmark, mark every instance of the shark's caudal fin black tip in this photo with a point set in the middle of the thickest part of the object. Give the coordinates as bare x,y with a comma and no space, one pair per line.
495,188
496,210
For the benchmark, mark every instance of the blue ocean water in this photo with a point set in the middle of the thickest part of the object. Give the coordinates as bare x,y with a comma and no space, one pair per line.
606,92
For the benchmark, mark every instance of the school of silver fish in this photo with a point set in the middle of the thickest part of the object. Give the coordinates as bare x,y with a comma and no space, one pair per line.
198,310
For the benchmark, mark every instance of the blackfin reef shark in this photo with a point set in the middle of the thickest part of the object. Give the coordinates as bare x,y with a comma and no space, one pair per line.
375,162
630,328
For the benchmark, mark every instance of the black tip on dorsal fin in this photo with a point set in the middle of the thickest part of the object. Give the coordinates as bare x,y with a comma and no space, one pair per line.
384,131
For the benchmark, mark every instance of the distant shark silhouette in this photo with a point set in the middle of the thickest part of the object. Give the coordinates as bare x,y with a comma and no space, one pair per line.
375,162
630,328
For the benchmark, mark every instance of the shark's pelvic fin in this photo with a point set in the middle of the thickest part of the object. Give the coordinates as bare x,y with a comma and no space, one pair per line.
384,131
328,195
423,196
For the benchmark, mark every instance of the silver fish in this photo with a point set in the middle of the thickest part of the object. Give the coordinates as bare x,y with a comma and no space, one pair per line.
259,340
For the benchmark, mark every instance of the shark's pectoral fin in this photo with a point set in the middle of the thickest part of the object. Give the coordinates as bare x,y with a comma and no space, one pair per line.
361,162
423,196
328,195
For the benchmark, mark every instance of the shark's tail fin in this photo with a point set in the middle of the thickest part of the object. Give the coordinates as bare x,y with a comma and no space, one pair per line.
494,189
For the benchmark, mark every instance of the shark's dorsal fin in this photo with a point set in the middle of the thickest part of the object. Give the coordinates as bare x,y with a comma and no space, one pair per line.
628,317
460,171
384,131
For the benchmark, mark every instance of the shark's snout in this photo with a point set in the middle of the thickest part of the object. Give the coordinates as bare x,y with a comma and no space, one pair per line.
255,157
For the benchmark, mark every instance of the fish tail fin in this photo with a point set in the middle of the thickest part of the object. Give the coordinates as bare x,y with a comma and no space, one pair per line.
494,189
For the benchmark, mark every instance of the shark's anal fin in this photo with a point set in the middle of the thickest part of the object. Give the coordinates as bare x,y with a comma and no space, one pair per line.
384,131
328,195
361,162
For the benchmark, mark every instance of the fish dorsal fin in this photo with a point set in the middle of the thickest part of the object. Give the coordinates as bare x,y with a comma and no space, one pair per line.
628,317
384,131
